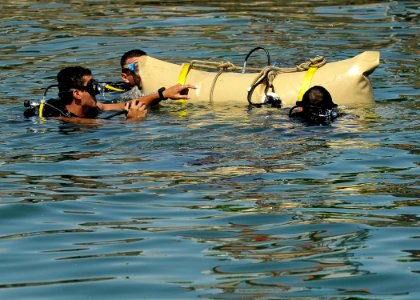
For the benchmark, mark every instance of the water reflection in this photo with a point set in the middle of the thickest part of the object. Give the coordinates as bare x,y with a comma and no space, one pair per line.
277,261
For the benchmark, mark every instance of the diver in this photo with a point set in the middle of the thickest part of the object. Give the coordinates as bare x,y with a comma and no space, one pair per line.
77,102
130,75
316,107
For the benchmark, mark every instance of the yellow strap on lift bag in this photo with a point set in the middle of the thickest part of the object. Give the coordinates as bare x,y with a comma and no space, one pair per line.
185,68
306,82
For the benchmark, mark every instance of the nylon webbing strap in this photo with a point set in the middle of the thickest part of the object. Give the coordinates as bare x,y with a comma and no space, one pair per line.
306,83
185,68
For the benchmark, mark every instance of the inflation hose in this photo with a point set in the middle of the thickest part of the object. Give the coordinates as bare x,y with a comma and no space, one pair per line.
251,91
266,76
252,51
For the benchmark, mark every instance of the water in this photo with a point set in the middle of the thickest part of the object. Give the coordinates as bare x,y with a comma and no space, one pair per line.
201,201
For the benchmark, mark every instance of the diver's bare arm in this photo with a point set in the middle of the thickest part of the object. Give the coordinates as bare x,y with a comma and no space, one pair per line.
110,106
175,92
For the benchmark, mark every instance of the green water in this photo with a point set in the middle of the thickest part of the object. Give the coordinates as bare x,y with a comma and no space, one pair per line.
202,201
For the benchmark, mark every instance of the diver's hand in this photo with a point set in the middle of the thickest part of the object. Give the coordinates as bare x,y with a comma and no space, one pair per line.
135,110
178,91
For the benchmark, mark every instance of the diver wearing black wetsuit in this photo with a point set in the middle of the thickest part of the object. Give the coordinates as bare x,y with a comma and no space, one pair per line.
316,107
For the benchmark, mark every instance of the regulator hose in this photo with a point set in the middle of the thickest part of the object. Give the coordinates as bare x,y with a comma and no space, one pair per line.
115,114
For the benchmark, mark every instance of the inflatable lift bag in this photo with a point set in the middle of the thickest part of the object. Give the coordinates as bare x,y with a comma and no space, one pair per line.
347,81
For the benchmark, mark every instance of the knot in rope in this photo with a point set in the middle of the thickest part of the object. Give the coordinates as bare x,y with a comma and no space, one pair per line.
317,62
226,66
221,65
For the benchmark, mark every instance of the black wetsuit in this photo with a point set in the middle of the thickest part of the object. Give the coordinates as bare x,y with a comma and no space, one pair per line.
56,108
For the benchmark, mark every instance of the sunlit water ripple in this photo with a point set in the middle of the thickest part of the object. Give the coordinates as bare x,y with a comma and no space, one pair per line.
203,201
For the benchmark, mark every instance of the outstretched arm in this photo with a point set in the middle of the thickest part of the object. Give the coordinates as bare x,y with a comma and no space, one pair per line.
176,92
110,106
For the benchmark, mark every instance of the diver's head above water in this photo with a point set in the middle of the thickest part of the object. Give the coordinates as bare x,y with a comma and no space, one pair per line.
316,107
77,90
129,67
318,96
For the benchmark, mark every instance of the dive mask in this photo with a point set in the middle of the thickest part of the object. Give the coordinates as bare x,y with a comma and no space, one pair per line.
93,87
133,67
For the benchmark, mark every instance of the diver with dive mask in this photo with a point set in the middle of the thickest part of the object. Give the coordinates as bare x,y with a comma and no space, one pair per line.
77,91
54,107
77,98
316,107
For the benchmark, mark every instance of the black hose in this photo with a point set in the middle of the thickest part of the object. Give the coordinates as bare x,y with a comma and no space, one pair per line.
292,109
115,114
48,87
252,51
251,91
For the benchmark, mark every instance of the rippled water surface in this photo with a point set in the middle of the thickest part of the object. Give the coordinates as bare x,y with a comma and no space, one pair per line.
202,201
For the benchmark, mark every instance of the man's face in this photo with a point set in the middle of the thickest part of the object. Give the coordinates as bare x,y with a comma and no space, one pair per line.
131,77
88,99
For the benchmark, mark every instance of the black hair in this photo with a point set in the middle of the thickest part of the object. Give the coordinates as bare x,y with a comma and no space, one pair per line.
318,96
130,54
68,78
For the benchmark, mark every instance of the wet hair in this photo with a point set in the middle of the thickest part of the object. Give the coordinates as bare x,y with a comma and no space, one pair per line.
318,96
130,54
68,78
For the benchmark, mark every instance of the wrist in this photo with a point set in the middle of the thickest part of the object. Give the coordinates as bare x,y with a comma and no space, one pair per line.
160,93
